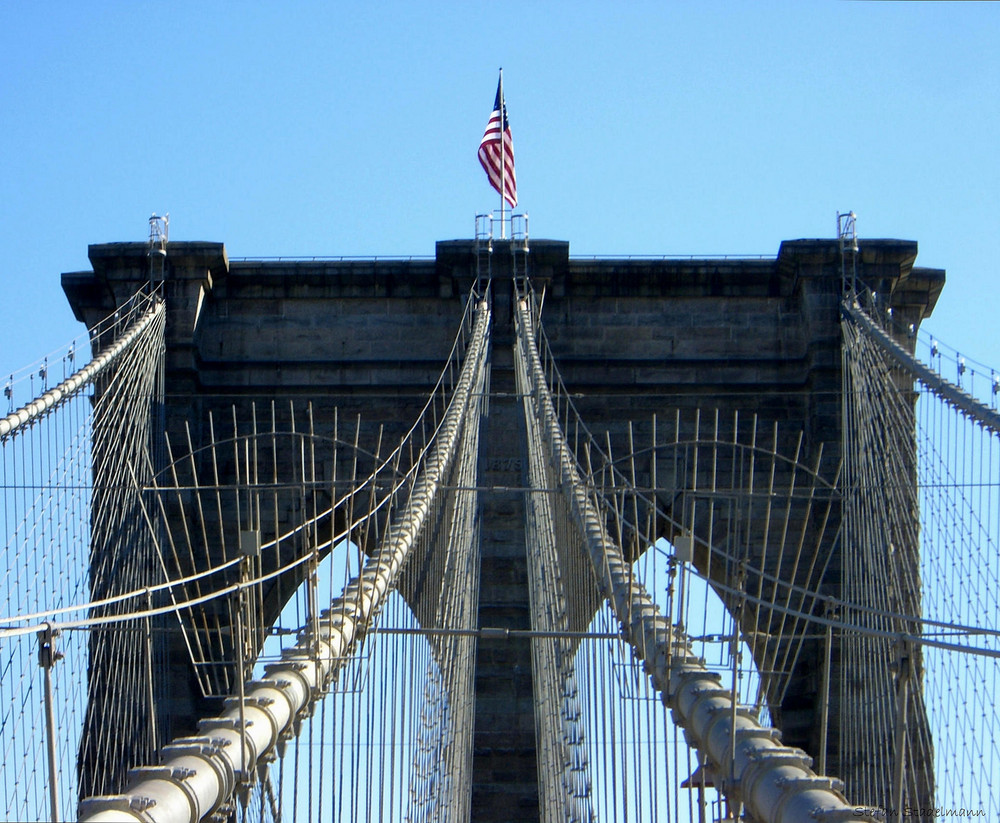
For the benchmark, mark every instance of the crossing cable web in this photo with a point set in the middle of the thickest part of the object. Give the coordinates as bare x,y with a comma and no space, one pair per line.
948,645
405,527
393,738
770,781
881,571
908,638
124,551
227,531
65,481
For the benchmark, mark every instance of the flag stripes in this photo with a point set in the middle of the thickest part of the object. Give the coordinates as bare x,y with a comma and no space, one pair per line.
496,151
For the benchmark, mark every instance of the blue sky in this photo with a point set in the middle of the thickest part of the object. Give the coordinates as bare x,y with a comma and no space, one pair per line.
351,129
308,128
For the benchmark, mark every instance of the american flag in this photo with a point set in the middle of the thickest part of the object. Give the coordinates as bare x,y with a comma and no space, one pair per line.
489,151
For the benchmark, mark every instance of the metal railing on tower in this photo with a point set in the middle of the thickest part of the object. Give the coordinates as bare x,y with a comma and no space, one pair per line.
512,226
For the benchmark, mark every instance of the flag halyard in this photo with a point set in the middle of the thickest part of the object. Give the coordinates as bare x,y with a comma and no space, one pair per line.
496,151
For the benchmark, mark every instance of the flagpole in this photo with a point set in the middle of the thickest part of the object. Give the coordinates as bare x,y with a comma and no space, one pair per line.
503,152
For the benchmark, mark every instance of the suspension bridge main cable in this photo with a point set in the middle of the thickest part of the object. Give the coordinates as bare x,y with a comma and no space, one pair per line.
947,391
51,399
